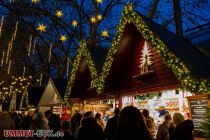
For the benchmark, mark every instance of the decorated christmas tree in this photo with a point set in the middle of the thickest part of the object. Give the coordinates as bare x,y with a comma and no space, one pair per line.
145,60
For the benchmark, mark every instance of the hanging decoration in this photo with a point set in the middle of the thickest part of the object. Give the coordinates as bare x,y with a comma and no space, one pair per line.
59,13
10,44
1,24
9,67
49,58
41,28
29,45
34,46
93,20
34,1
40,80
104,33
145,60
67,67
74,23
2,59
99,17
63,38
99,1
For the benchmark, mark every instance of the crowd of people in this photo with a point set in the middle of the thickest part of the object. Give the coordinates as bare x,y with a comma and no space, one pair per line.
128,124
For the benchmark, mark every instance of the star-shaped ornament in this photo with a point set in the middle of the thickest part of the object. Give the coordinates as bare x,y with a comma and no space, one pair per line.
99,17
59,13
104,33
74,23
63,38
34,1
93,20
99,1
41,28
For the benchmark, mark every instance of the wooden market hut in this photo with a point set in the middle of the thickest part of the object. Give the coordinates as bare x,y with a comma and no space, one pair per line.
53,94
176,63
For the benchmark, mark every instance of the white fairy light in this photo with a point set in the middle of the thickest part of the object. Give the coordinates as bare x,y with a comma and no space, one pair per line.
1,25
67,67
29,46
40,80
34,46
2,60
9,67
8,52
50,52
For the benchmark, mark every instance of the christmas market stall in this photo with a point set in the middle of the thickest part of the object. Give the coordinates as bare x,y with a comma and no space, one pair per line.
52,97
146,66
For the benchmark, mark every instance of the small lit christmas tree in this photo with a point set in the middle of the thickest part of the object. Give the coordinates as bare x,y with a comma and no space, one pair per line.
145,60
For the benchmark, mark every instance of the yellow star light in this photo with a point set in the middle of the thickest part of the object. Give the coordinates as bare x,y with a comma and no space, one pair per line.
99,1
34,1
63,38
41,28
74,23
104,33
59,13
99,17
93,20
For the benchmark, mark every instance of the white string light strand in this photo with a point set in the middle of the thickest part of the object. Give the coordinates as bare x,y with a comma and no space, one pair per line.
29,46
67,67
1,25
34,46
50,52
8,52
2,60
40,80
9,67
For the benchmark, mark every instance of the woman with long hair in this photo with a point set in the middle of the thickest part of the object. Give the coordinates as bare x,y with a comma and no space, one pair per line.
131,125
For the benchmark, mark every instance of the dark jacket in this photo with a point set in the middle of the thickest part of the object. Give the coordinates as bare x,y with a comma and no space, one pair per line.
111,127
90,130
184,131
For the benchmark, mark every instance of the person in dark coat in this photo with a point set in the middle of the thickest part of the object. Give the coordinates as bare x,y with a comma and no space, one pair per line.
66,130
184,131
112,124
184,128
90,130
131,125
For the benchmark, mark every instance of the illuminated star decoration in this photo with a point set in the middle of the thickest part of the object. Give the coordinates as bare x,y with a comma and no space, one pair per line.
34,1
41,28
99,1
99,17
93,20
74,23
59,13
63,38
104,33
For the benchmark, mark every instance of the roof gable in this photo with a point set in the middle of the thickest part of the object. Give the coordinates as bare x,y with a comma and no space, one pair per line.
165,47
51,95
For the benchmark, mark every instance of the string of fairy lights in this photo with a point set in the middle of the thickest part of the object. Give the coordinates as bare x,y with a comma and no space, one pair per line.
182,73
19,85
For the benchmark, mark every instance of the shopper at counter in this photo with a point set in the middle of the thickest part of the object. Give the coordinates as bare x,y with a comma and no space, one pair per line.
165,130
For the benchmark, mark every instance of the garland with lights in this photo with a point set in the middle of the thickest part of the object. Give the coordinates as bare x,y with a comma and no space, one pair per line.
82,51
129,15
